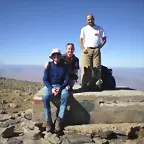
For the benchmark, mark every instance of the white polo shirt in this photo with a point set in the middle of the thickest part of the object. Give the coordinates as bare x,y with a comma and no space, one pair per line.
92,36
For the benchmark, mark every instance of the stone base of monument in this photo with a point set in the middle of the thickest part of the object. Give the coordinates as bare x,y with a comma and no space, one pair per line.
122,105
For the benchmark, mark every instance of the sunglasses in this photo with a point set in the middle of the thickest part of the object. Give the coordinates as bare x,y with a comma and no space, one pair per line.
70,44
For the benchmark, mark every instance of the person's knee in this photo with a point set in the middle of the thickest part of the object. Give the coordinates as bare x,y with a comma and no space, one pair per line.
64,94
47,94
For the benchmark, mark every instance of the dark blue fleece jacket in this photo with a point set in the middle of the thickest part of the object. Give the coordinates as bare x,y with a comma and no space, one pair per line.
56,74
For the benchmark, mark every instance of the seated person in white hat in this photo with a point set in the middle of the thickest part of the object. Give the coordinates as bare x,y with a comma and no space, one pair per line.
55,79
72,62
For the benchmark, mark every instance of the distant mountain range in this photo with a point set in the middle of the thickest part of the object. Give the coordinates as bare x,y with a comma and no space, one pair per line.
132,77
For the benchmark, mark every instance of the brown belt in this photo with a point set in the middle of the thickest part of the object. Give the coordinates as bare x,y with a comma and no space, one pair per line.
92,47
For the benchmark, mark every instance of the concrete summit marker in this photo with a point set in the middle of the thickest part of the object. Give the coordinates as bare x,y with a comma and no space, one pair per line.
122,105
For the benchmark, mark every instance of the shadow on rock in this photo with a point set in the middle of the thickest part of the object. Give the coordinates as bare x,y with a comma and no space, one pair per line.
76,113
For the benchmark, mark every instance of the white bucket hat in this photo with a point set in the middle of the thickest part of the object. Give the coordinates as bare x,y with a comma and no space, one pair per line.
54,51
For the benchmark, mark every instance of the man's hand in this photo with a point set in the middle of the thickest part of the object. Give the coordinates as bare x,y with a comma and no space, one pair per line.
46,65
85,51
103,43
57,91
54,91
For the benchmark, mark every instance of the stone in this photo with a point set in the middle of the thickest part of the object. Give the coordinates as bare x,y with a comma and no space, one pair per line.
15,141
4,117
100,141
52,138
3,112
28,116
123,128
13,121
28,111
30,130
117,106
13,105
74,137
107,135
3,140
32,134
117,142
28,141
8,132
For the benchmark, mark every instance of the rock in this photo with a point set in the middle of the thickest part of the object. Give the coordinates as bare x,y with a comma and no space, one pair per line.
4,117
141,141
133,133
8,132
100,141
3,112
28,116
13,105
131,142
15,141
28,141
32,132
47,135
27,124
74,137
117,141
18,114
44,141
3,140
28,111
3,102
107,135
65,141
53,138
10,122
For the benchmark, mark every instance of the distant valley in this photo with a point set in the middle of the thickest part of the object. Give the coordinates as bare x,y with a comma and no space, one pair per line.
131,77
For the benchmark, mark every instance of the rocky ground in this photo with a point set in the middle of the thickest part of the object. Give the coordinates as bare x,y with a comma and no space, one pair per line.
16,126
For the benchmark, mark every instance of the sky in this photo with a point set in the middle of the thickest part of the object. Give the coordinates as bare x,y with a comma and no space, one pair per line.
30,29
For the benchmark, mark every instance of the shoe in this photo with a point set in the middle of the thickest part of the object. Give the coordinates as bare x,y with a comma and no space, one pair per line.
49,126
58,125
99,82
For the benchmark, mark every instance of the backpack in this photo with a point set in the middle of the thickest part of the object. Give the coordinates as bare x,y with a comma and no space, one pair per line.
109,82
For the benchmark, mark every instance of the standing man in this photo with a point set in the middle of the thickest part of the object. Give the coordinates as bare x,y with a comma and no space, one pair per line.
92,39
55,79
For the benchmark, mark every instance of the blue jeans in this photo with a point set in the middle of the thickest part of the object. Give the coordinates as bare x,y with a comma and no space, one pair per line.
48,97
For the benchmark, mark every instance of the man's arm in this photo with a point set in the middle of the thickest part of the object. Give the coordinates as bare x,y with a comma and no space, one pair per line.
104,38
46,79
103,42
76,66
81,39
66,81
47,65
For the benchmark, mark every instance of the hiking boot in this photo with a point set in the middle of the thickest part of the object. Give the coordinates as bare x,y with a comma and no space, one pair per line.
99,85
99,82
58,124
49,126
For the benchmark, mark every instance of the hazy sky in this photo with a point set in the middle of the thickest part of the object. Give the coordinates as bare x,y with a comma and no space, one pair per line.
29,29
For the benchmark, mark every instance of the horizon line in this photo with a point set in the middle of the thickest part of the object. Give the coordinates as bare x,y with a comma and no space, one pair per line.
80,65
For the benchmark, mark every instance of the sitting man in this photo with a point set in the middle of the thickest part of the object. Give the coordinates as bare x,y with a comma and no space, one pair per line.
55,79
72,62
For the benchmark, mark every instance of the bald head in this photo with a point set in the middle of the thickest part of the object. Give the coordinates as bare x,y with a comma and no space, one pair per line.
90,19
